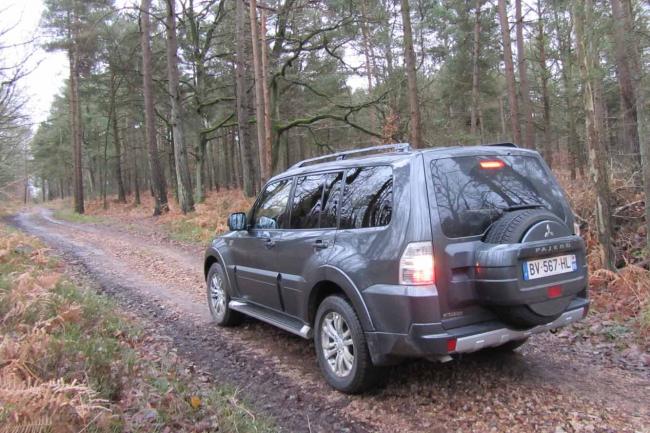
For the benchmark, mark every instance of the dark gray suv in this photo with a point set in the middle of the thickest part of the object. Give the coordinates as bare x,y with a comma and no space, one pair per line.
386,252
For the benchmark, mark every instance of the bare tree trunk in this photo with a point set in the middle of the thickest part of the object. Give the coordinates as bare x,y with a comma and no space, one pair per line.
411,78
587,57
121,195
75,121
510,72
157,175
643,125
475,69
524,88
265,161
268,128
367,49
244,133
171,162
546,147
629,133
574,148
184,185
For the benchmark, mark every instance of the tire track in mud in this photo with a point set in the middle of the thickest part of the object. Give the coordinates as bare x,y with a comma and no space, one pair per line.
546,386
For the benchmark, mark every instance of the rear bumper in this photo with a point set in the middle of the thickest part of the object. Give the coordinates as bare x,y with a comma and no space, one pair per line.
431,340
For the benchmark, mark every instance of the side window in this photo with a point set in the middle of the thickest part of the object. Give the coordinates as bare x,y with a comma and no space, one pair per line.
367,198
307,199
331,198
271,209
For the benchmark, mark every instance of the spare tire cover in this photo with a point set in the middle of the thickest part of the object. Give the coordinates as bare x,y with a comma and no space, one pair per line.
521,226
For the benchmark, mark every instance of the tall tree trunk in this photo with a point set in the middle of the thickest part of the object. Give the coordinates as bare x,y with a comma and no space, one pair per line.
510,72
575,149
136,175
546,102
265,161
524,88
244,132
121,195
411,78
587,57
643,126
184,187
624,74
368,57
476,50
157,175
75,121
268,128
171,161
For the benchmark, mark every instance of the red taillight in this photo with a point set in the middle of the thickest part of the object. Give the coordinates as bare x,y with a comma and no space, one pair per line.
492,164
451,345
554,292
416,264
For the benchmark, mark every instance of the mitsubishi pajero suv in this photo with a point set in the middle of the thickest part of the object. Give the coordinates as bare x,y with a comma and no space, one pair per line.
384,253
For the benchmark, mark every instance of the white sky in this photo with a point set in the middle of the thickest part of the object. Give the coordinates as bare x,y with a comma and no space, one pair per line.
49,68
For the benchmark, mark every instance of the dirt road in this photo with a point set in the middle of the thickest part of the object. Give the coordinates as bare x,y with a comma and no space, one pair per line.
556,383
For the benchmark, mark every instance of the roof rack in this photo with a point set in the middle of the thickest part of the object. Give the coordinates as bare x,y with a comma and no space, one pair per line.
501,145
398,147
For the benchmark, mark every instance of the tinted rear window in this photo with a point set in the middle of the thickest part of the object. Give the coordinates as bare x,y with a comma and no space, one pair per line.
307,199
470,197
367,197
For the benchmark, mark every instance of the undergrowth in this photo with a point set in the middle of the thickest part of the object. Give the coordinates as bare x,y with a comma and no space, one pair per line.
69,362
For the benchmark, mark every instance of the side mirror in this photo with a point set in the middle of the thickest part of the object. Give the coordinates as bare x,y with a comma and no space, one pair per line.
237,221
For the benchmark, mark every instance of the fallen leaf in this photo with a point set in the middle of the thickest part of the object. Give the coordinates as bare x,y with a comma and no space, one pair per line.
195,402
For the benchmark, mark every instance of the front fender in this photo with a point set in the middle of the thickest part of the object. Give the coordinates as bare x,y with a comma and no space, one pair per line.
218,252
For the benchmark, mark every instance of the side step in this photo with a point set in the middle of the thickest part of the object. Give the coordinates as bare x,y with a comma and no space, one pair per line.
289,324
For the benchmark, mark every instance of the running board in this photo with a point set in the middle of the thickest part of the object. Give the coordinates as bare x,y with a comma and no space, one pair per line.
274,318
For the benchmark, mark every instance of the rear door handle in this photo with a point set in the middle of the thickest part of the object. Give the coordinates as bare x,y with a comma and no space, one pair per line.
320,244
269,243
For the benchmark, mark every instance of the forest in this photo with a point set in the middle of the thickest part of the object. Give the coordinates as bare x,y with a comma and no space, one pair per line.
174,113
179,98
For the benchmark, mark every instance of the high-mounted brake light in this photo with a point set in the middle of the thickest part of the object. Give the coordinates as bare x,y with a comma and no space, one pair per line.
416,264
492,164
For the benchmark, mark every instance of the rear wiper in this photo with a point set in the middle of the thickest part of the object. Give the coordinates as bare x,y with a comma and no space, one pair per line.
522,206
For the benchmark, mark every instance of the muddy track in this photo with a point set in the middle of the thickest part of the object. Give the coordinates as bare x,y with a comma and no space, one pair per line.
550,385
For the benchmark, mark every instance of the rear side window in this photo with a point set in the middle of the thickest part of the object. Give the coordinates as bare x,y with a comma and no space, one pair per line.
367,198
331,198
271,209
307,201
315,201
474,191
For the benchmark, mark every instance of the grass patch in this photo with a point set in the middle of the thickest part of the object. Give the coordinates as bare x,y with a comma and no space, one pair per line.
67,214
69,361
185,230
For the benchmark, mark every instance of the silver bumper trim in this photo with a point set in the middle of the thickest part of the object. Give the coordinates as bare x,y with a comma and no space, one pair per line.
472,343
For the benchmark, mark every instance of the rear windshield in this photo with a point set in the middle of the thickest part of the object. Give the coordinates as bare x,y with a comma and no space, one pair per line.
474,191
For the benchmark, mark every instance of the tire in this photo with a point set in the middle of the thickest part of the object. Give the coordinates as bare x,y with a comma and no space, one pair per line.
356,375
219,310
511,228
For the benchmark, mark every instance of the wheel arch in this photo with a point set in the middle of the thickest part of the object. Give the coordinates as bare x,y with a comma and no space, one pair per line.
210,260
335,282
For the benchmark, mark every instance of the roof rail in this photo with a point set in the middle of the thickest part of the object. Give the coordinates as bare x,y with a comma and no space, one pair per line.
398,147
501,145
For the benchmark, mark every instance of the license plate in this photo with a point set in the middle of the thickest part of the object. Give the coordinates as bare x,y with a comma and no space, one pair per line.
541,268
